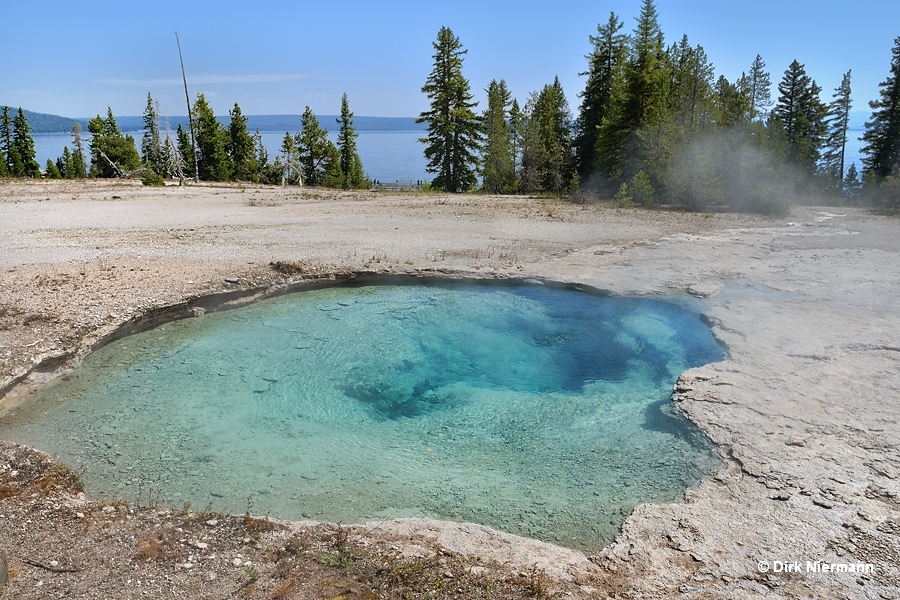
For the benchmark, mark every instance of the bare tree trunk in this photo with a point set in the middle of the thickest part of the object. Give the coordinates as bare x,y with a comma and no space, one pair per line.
187,97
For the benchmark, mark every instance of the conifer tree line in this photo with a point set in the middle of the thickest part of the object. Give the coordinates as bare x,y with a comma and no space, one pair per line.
656,126
229,153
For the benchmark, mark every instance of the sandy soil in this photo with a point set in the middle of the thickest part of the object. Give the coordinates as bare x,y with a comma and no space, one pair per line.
804,409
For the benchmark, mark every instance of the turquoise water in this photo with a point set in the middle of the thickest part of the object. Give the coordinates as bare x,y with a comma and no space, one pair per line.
539,411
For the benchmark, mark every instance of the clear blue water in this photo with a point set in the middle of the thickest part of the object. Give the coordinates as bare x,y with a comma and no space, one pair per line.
539,411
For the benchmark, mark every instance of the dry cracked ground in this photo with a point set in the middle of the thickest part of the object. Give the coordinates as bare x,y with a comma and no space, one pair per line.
803,410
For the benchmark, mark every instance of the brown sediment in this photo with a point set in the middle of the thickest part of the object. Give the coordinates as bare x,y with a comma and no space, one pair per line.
801,409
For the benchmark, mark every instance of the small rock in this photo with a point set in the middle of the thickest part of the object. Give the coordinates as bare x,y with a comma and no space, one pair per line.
232,280
823,503
201,545
212,522
782,496
237,562
109,510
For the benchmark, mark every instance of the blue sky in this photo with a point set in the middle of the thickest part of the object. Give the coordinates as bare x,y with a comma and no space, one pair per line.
277,57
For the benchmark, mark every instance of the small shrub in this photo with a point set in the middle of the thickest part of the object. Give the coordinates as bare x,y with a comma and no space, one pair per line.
152,178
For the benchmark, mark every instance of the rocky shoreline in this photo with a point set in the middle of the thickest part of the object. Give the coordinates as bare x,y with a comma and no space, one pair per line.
801,410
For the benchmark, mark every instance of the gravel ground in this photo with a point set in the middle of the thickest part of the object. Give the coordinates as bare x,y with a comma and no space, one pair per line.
803,409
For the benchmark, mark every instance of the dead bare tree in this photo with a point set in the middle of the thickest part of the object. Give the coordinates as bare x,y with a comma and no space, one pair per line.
190,119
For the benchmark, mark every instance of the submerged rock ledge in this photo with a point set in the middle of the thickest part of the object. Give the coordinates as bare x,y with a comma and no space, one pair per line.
801,410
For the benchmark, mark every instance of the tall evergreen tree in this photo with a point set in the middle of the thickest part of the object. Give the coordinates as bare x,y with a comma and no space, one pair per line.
5,143
638,103
801,115
151,143
79,166
499,157
882,135
691,94
65,164
516,119
242,150
212,143
352,175
317,155
553,120
760,84
609,48
836,140
23,144
645,103
453,128
288,162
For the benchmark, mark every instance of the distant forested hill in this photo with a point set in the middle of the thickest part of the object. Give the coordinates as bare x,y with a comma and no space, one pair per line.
44,123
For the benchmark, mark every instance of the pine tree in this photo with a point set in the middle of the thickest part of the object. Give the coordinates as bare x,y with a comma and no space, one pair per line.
553,120
882,135
112,153
151,143
5,143
499,157
760,89
734,102
242,150
288,162
52,170
212,143
453,128
638,102
836,140
185,151
604,65
852,184
317,155
352,175
25,161
65,163
691,94
801,115
79,166
646,72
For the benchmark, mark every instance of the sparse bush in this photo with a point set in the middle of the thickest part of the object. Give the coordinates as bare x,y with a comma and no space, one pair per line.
152,178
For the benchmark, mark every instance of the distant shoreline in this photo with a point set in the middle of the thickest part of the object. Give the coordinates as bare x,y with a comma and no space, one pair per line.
41,123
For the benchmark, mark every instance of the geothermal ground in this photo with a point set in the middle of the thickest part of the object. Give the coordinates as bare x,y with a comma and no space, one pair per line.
803,410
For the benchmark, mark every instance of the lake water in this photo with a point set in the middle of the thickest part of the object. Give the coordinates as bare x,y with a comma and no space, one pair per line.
388,156
539,411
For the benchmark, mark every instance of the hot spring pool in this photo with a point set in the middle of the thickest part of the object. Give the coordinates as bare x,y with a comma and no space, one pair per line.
540,411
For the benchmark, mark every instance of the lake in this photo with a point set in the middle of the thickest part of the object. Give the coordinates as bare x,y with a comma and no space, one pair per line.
388,156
